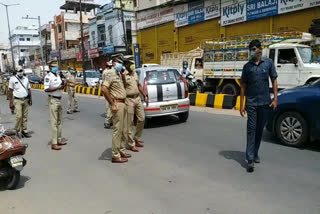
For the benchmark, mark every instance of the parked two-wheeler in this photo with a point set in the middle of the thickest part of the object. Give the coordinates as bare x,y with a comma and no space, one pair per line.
191,83
11,159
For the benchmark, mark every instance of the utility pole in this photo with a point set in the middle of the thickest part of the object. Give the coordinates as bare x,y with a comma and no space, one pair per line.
82,44
124,29
8,5
41,50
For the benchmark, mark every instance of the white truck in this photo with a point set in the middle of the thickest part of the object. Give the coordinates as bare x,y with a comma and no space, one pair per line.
223,61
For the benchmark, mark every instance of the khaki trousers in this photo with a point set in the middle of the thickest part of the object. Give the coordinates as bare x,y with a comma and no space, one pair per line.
72,100
108,114
55,109
135,107
21,109
119,135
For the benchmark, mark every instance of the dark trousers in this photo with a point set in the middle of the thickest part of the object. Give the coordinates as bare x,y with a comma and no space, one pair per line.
257,117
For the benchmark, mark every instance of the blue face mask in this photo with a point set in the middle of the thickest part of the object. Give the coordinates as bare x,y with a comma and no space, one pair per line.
118,67
54,70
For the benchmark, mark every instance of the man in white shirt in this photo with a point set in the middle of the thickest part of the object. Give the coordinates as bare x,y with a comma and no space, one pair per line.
53,86
20,99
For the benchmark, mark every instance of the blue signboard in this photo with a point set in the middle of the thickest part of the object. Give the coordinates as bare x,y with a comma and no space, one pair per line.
257,9
109,49
196,12
136,50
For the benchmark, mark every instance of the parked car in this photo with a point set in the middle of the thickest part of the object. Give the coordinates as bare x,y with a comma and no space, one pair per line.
150,65
167,92
33,79
92,78
297,117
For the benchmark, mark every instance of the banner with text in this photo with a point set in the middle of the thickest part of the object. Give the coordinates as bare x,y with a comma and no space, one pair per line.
154,17
233,12
286,6
257,9
196,12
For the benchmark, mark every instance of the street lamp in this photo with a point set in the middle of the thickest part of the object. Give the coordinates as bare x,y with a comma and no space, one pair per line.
9,5
41,50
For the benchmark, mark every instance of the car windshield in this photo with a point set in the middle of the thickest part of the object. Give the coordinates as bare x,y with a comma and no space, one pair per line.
93,75
169,76
316,83
306,54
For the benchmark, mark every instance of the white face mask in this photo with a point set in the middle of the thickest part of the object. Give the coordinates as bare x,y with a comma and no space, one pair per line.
20,73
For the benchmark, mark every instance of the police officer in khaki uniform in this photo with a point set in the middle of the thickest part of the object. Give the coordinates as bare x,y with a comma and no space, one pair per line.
115,93
20,99
134,105
72,100
108,114
53,86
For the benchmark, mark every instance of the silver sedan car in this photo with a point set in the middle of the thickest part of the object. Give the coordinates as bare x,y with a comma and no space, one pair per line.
167,92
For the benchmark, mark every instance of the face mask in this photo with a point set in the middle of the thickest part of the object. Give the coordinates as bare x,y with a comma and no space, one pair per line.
253,55
54,70
118,67
20,74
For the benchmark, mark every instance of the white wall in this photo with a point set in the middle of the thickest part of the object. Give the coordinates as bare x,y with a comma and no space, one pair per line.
145,4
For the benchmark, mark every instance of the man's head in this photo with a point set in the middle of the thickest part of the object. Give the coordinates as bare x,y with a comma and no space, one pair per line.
255,49
129,66
54,70
72,71
185,64
20,71
109,64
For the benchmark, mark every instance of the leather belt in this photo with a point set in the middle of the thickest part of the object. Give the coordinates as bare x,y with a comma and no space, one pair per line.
119,101
59,98
17,98
133,96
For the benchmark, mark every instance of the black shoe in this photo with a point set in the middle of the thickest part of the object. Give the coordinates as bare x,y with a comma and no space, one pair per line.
107,126
250,167
257,159
68,112
25,134
75,111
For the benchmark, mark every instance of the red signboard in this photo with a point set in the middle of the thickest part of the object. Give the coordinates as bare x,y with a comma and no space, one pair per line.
79,56
93,53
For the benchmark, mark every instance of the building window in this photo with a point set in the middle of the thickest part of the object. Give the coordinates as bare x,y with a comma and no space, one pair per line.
93,35
110,33
134,3
21,39
35,36
28,39
102,33
66,27
129,32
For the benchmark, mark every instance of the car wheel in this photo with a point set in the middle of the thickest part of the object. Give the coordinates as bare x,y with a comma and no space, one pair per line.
292,129
183,117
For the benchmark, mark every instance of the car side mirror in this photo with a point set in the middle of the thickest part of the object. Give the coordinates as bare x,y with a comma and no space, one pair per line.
295,61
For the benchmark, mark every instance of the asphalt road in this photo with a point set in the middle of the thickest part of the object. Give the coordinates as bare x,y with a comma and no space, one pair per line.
195,167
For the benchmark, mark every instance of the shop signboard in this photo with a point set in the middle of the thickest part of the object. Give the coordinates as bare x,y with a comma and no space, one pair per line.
257,9
286,6
93,53
233,12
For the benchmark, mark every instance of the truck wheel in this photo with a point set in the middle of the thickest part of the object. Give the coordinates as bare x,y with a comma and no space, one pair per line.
230,89
292,129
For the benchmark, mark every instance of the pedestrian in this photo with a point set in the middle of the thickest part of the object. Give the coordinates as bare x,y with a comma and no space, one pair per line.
53,86
20,99
72,99
108,115
255,86
135,107
115,93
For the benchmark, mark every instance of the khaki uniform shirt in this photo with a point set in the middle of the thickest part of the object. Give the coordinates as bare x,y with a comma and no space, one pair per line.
132,83
71,78
114,83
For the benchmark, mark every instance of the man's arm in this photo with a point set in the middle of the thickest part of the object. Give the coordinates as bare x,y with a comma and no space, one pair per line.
242,93
145,96
274,103
54,89
10,95
107,95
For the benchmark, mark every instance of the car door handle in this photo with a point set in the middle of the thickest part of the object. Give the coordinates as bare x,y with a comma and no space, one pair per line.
279,66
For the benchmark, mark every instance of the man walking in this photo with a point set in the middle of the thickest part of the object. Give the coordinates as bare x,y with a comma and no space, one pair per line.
53,86
135,107
20,99
72,100
255,86
115,93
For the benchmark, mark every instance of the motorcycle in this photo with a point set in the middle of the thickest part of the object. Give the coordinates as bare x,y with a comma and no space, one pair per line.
11,158
191,83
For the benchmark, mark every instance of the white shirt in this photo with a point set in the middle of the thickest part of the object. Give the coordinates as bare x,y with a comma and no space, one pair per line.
53,81
18,90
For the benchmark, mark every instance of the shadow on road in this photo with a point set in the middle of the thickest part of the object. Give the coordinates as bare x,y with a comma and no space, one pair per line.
270,138
23,181
106,155
236,156
159,122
